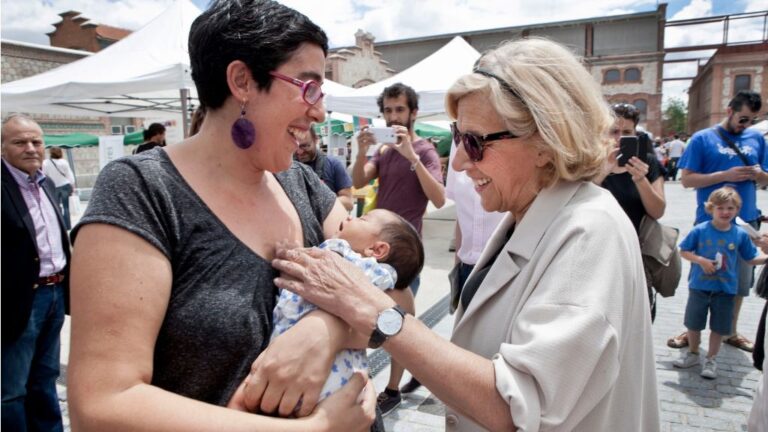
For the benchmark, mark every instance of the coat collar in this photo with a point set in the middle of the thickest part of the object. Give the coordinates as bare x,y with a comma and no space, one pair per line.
520,247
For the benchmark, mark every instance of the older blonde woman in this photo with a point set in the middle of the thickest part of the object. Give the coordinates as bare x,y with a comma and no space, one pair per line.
553,331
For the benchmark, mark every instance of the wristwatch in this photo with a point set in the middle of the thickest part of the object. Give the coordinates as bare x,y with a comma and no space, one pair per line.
388,323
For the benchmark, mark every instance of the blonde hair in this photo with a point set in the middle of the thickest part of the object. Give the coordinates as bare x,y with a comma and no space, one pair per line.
549,92
723,195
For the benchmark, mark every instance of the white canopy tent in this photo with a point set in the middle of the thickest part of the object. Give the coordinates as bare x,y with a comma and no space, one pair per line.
146,74
142,75
431,78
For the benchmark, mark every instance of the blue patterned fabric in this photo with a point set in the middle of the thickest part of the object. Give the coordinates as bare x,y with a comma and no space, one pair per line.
291,308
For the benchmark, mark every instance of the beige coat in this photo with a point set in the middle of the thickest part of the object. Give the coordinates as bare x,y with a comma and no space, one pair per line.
564,315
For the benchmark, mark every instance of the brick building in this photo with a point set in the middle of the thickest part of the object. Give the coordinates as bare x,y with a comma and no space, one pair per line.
624,53
731,68
75,32
358,66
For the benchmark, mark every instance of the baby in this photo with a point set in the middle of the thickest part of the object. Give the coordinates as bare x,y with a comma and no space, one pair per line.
388,250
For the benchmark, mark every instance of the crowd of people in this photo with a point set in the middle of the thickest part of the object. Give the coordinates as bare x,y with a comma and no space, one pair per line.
222,284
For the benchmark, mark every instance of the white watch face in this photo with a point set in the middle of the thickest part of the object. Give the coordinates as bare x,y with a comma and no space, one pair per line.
390,322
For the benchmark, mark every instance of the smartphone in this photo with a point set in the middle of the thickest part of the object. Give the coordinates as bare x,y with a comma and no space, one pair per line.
629,146
385,135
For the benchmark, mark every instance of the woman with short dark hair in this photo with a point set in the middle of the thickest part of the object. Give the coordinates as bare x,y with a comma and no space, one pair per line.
172,282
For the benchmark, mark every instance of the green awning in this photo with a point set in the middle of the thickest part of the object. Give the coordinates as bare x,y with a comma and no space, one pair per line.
442,136
87,140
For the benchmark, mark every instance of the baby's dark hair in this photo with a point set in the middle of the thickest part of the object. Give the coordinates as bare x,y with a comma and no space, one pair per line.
406,253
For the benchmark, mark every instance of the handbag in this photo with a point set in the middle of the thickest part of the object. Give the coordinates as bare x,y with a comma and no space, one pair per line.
74,204
661,257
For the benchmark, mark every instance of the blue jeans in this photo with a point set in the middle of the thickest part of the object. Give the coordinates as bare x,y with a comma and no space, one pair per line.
30,366
464,271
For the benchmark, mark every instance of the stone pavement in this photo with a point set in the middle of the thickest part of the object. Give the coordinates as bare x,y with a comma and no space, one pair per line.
688,402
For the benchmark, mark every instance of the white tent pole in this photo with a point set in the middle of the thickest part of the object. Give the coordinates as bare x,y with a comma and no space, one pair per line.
184,94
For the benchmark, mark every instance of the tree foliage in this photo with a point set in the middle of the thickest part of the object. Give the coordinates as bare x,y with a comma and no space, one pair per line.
675,117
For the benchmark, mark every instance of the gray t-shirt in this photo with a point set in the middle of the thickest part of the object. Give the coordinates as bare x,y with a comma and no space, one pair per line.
220,311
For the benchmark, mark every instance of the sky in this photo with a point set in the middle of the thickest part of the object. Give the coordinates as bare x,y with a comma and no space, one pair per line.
30,20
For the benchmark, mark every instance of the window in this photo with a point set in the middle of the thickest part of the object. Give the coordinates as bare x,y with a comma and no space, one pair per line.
642,107
130,129
612,76
632,74
741,82
117,130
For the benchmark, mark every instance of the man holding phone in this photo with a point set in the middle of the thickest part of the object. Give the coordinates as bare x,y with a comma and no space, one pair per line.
409,176
728,154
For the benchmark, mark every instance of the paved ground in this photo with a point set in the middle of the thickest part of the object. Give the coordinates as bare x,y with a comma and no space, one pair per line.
688,402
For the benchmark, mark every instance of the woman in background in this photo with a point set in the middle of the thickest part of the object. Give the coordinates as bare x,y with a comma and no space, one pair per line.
57,169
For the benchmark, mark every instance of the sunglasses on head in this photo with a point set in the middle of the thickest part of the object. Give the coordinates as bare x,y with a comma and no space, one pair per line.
474,145
310,90
748,120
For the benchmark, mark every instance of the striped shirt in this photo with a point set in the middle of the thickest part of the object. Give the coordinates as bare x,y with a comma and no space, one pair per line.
44,218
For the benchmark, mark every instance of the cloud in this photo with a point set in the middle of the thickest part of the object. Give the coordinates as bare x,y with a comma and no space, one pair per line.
392,20
30,20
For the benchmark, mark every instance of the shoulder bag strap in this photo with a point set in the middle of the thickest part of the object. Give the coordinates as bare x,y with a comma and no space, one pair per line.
57,168
733,147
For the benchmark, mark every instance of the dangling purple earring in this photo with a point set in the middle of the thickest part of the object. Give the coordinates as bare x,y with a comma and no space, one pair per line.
243,132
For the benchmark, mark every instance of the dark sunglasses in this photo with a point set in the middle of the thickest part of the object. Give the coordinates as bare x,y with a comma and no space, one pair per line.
474,145
310,90
751,120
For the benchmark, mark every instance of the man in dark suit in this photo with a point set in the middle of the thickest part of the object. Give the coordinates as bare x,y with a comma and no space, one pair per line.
35,278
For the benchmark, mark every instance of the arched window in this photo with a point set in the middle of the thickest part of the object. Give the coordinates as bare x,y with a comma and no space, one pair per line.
612,76
642,107
632,74
741,82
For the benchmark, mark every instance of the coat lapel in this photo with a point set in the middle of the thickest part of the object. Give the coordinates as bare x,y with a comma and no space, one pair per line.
520,247
12,189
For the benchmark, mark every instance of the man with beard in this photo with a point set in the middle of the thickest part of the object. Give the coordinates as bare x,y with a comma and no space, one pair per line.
330,170
409,176
154,136
728,154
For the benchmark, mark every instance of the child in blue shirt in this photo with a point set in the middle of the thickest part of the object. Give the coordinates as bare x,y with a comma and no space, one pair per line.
713,247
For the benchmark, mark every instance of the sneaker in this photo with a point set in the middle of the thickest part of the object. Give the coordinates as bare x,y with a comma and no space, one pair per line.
709,370
686,360
411,386
388,402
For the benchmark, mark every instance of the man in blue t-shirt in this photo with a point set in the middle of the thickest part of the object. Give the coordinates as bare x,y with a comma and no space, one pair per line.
329,169
711,161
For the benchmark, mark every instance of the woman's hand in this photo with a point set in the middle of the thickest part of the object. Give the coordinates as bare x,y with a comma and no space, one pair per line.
287,377
353,408
637,168
762,242
332,284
